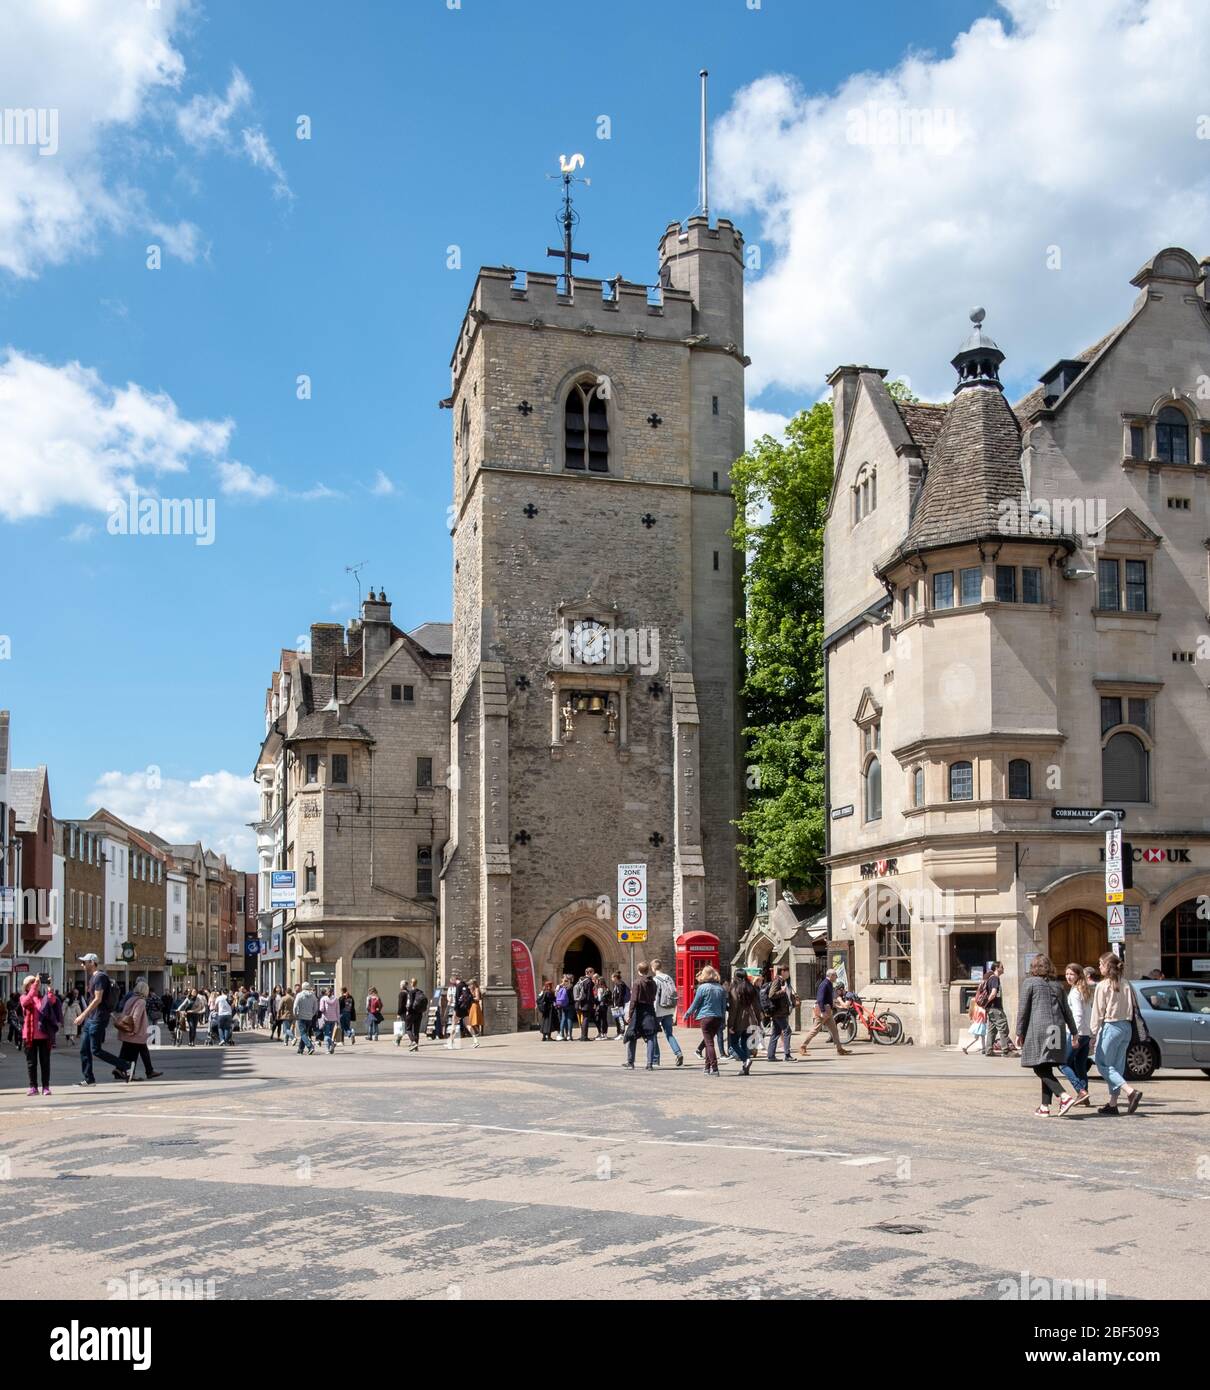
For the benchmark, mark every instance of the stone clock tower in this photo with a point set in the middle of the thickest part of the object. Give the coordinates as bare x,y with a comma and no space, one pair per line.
594,714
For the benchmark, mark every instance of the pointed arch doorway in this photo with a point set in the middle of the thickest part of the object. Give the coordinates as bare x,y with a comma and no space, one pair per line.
581,953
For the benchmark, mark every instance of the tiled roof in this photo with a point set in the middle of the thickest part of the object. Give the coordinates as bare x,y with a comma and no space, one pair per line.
975,465
435,638
25,793
326,724
924,422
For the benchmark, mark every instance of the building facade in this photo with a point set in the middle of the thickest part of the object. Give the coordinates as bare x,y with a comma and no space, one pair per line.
1028,647
595,670
37,907
358,727
84,897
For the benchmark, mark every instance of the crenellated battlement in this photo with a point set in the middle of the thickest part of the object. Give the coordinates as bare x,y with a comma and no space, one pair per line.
698,235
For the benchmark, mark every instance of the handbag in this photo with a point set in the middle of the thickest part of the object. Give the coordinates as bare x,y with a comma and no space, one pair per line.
399,1030
124,1024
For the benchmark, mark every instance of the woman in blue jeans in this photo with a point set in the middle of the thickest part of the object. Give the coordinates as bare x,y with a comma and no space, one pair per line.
1112,1014
709,1007
567,1009
1079,1001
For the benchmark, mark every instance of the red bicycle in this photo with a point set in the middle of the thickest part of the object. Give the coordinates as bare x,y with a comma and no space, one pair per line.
884,1027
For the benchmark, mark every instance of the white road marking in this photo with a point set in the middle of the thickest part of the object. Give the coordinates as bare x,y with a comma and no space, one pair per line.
861,1162
494,1129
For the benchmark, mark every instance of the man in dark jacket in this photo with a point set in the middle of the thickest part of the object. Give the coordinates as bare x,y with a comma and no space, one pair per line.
781,1001
348,1016
825,997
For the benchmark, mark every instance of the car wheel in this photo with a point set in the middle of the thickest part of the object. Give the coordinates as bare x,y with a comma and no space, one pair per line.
1142,1058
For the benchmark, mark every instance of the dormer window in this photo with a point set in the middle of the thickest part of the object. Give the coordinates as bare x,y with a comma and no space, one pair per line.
1171,436
586,428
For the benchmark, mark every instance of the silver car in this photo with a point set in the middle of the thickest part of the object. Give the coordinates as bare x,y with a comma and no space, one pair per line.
1176,1014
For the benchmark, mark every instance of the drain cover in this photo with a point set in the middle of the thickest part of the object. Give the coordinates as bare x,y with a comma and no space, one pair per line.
898,1228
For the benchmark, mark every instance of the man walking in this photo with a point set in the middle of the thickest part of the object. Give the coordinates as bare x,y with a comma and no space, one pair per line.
781,1000
461,1000
665,1011
997,1034
825,997
92,1023
348,1016
584,997
306,1006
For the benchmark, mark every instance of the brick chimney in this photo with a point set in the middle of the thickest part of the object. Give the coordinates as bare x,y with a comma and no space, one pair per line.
327,646
375,629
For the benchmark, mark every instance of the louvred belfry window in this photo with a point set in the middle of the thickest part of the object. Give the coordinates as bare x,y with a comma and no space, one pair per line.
586,428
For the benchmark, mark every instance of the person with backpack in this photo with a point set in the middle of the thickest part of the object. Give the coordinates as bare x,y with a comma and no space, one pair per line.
348,1017
306,1006
619,997
546,1008
91,1025
193,1006
461,1000
584,997
329,1017
780,1000
42,1017
665,1010
223,1016
566,1006
373,1014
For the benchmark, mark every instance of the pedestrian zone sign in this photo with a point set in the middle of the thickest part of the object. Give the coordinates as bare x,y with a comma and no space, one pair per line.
632,902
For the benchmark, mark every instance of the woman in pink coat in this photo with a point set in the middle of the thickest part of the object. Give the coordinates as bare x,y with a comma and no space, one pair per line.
134,1041
42,1016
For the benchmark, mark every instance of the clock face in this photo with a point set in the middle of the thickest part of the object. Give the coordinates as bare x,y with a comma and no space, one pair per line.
591,642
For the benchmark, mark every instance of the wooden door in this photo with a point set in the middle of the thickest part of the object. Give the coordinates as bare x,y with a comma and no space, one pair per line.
1078,936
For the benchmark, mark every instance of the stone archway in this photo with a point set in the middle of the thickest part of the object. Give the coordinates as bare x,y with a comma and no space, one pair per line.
577,919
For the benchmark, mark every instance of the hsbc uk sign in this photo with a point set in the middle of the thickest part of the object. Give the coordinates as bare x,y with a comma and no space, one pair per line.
1177,855
879,868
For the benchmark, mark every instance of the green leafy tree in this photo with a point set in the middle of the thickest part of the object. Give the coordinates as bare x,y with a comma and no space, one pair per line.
782,491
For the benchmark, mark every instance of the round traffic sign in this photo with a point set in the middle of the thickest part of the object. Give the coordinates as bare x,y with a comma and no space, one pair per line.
632,914
632,886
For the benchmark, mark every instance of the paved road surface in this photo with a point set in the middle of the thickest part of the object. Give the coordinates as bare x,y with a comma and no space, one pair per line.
530,1170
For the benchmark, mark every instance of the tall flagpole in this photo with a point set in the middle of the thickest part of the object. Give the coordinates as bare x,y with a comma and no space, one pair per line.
703,183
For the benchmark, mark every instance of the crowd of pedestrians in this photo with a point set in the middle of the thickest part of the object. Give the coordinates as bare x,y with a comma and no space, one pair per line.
1062,1024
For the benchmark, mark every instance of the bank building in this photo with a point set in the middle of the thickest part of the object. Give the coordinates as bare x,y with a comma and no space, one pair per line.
1016,636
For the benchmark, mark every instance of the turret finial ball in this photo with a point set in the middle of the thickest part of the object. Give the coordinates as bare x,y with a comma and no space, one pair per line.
978,315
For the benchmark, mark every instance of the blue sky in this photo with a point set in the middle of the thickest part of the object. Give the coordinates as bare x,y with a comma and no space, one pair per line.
430,127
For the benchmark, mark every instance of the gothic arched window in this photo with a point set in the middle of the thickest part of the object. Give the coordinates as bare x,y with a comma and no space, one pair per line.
464,444
586,428
873,790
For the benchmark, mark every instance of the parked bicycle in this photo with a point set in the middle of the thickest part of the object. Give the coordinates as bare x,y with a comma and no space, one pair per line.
884,1027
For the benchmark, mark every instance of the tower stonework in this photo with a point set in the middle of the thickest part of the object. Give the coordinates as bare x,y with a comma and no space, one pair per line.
594,711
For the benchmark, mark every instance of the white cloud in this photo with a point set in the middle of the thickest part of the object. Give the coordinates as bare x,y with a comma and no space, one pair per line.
71,440
320,492
238,480
80,533
382,485
94,64
758,422
206,121
214,808
887,208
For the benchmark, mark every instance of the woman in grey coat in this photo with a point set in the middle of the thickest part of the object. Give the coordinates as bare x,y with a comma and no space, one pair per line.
1044,1023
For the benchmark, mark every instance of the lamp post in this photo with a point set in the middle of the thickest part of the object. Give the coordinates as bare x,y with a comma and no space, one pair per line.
1114,816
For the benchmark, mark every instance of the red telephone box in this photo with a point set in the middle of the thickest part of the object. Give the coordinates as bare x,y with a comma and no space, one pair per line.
693,950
